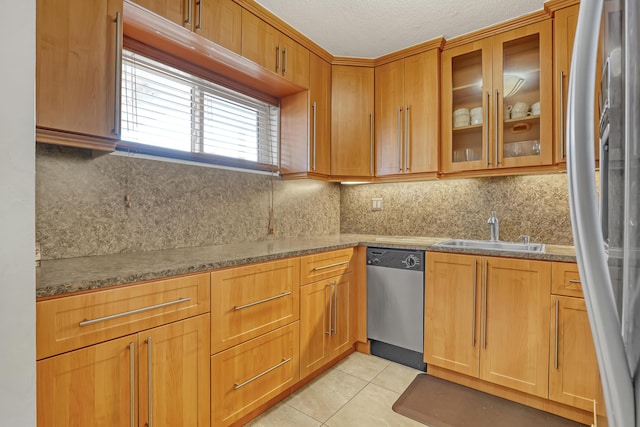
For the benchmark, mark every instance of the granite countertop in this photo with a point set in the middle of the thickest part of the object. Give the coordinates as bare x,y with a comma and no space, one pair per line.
56,277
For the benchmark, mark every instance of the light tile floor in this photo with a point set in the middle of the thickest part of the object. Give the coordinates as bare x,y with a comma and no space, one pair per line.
358,391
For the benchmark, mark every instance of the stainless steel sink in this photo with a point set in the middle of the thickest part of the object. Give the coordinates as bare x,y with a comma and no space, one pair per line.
493,245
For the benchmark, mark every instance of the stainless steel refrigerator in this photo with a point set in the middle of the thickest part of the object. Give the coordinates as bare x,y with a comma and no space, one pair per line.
606,226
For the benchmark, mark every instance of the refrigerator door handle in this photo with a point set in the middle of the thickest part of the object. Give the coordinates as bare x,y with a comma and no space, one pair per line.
592,259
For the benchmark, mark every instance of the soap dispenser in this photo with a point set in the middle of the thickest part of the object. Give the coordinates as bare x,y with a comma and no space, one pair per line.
494,227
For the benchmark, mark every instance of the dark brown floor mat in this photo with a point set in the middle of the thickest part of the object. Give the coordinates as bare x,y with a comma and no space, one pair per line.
439,403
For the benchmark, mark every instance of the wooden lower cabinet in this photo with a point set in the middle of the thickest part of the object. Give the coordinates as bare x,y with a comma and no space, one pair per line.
327,323
487,317
161,374
451,312
573,374
250,374
251,300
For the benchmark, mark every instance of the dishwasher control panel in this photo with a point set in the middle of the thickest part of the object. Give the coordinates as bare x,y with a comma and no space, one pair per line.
396,258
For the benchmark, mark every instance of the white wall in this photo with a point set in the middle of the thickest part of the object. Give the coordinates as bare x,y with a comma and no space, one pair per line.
17,214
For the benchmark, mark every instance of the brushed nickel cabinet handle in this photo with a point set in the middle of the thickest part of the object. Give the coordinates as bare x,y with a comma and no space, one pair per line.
199,24
328,285
335,308
484,305
251,304
117,108
189,12
323,267
150,380
130,312
575,281
277,58
237,386
315,123
561,108
555,357
407,139
285,58
475,296
132,383
486,125
400,138
497,127
371,144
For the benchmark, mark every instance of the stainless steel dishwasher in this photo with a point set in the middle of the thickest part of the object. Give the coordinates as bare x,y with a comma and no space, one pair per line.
395,305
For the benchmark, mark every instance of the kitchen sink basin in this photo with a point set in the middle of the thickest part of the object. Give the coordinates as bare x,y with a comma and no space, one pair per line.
493,245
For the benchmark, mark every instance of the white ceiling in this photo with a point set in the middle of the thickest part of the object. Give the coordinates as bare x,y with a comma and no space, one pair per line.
372,28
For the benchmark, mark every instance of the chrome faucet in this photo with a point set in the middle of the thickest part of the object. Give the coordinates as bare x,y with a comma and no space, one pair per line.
494,227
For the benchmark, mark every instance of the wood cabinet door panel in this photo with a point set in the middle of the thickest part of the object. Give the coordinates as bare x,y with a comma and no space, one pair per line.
250,374
315,326
422,97
320,86
352,109
75,65
259,41
294,61
565,279
324,265
251,300
390,116
451,317
221,22
60,322
174,373
89,387
176,11
515,348
342,338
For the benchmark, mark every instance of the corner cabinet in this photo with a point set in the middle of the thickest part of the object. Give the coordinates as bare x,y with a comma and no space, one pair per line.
500,78
352,121
305,126
407,115
78,52
487,317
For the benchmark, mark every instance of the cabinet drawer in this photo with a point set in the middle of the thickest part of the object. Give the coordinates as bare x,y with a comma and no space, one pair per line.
251,300
72,322
565,279
250,374
324,265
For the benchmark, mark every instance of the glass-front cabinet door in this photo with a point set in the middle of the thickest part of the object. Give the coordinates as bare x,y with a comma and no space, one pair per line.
523,91
496,101
466,100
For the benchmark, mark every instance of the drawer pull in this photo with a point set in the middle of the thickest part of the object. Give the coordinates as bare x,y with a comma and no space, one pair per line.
575,281
137,310
330,265
237,386
251,304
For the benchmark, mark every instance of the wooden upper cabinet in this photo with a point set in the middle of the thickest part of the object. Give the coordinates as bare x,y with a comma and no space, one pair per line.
221,22
515,324
501,78
180,12
352,121
266,46
407,115
305,125
77,47
564,32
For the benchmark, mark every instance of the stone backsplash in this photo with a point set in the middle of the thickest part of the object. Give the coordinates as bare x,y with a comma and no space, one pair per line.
117,204
536,205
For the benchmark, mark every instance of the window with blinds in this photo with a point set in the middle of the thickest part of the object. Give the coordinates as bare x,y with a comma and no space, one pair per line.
171,113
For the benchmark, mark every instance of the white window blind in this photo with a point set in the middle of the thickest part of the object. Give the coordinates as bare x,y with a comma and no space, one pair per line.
174,112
